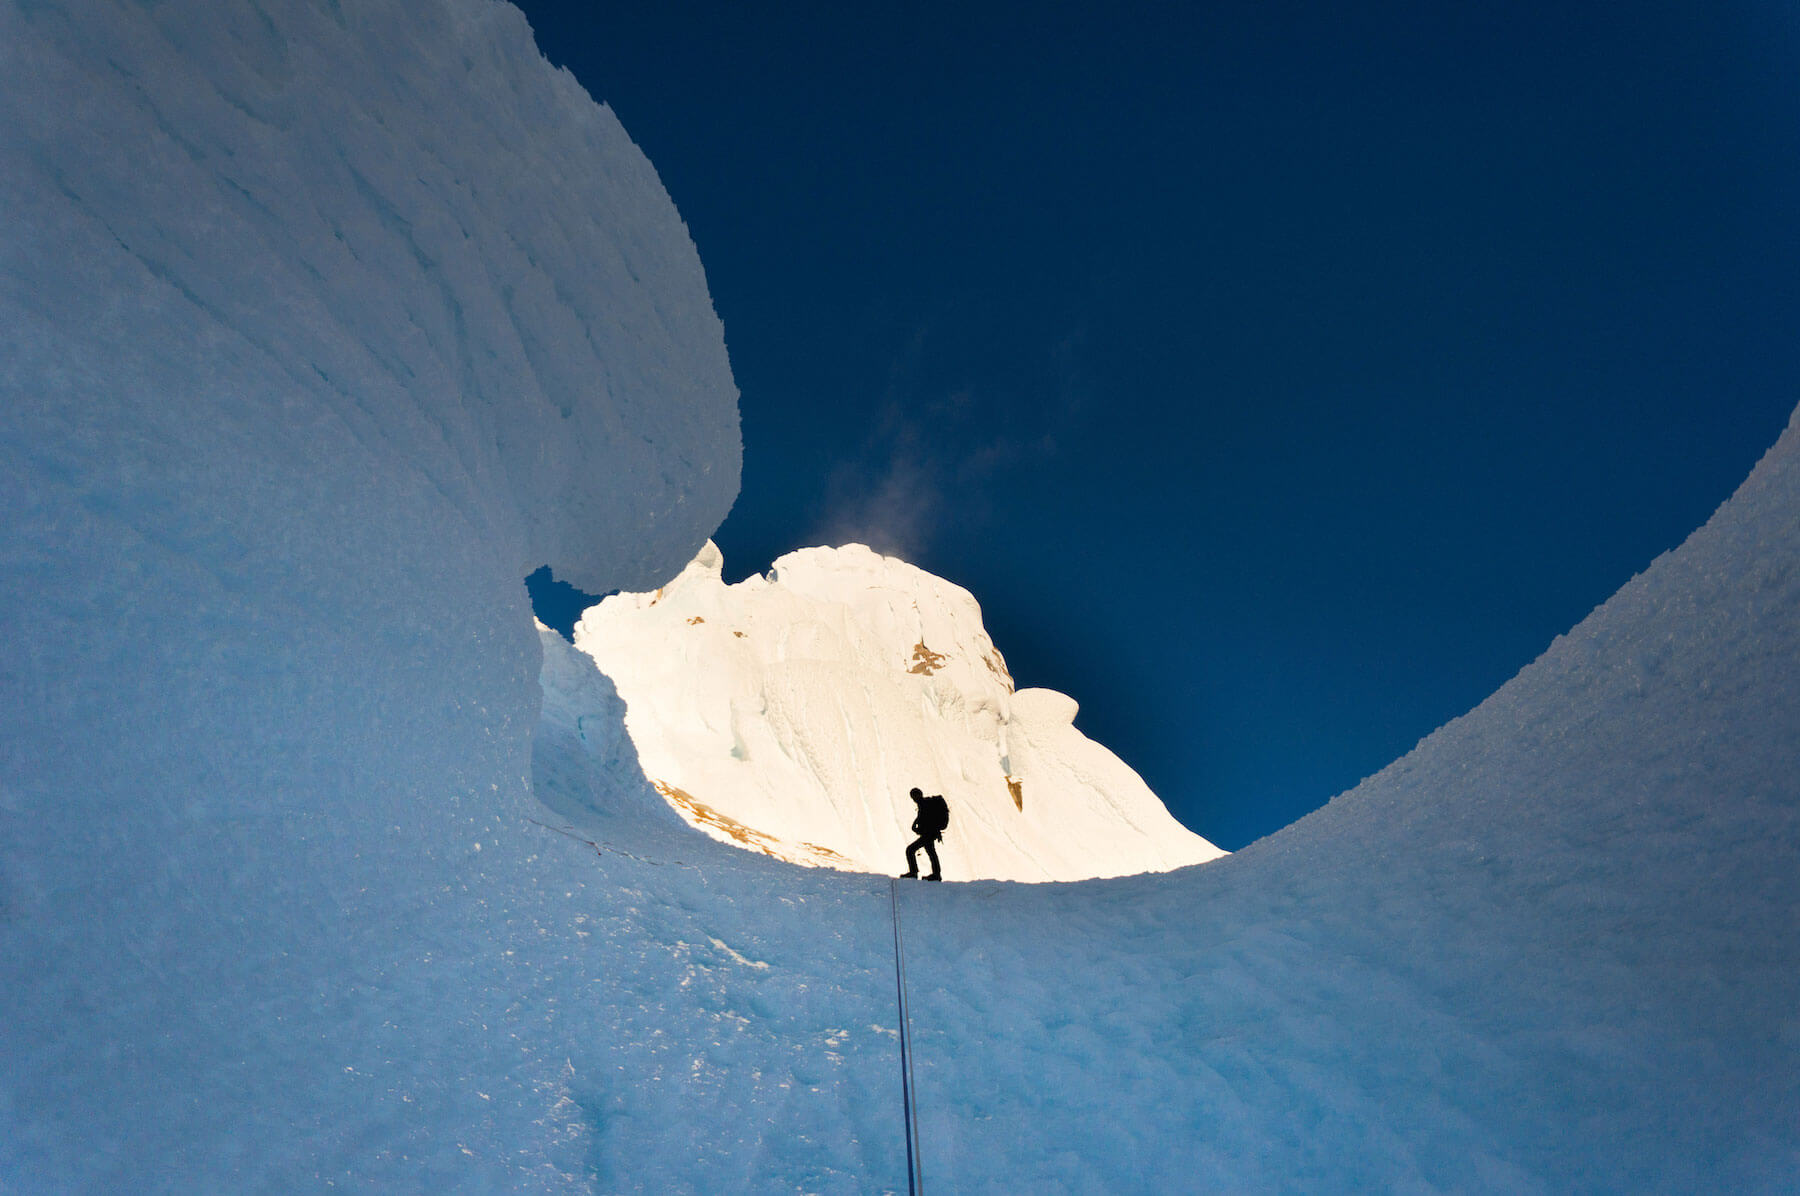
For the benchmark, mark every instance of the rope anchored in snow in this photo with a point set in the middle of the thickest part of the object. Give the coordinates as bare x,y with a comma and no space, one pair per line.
908,1107
906,1073
602,849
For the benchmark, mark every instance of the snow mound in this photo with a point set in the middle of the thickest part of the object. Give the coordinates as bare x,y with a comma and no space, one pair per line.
792,713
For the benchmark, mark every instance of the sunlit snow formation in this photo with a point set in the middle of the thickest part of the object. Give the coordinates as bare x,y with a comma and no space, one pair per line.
293,301
792,712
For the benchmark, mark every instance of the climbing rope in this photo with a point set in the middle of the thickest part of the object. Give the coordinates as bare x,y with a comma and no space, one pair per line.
604,849
906,1072
907,1107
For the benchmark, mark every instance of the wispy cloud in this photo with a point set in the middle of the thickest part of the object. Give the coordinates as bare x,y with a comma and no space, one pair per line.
938,456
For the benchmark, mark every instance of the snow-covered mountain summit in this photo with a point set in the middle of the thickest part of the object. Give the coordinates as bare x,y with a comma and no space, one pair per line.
792,712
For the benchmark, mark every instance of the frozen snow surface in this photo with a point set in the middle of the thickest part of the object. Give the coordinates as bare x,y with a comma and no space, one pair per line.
792,713
320,325
324,323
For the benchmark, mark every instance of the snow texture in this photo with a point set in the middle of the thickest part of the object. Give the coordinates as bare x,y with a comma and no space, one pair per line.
320,325
294,298
792,713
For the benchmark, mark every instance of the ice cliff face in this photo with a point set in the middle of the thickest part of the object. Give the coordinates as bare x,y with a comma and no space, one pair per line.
320,326
389,248
791,713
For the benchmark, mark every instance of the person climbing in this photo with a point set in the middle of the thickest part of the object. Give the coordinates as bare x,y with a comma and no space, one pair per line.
929,823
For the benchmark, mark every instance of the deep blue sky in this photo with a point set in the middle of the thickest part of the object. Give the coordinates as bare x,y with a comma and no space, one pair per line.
1281,378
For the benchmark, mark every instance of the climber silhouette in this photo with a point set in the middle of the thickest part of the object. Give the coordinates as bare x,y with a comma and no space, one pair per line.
933,816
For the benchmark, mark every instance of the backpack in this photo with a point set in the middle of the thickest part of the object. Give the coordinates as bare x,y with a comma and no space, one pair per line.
934,815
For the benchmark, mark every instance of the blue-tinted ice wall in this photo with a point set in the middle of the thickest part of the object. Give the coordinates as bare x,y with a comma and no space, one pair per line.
321,325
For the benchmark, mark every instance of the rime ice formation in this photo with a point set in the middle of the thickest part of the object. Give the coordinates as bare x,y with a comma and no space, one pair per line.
792,712
320,324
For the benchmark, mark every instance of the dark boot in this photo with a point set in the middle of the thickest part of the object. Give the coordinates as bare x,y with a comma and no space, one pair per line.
933,876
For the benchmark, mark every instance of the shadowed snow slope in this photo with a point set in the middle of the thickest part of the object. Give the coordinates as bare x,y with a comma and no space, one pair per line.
1553,948
803,705
321,325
